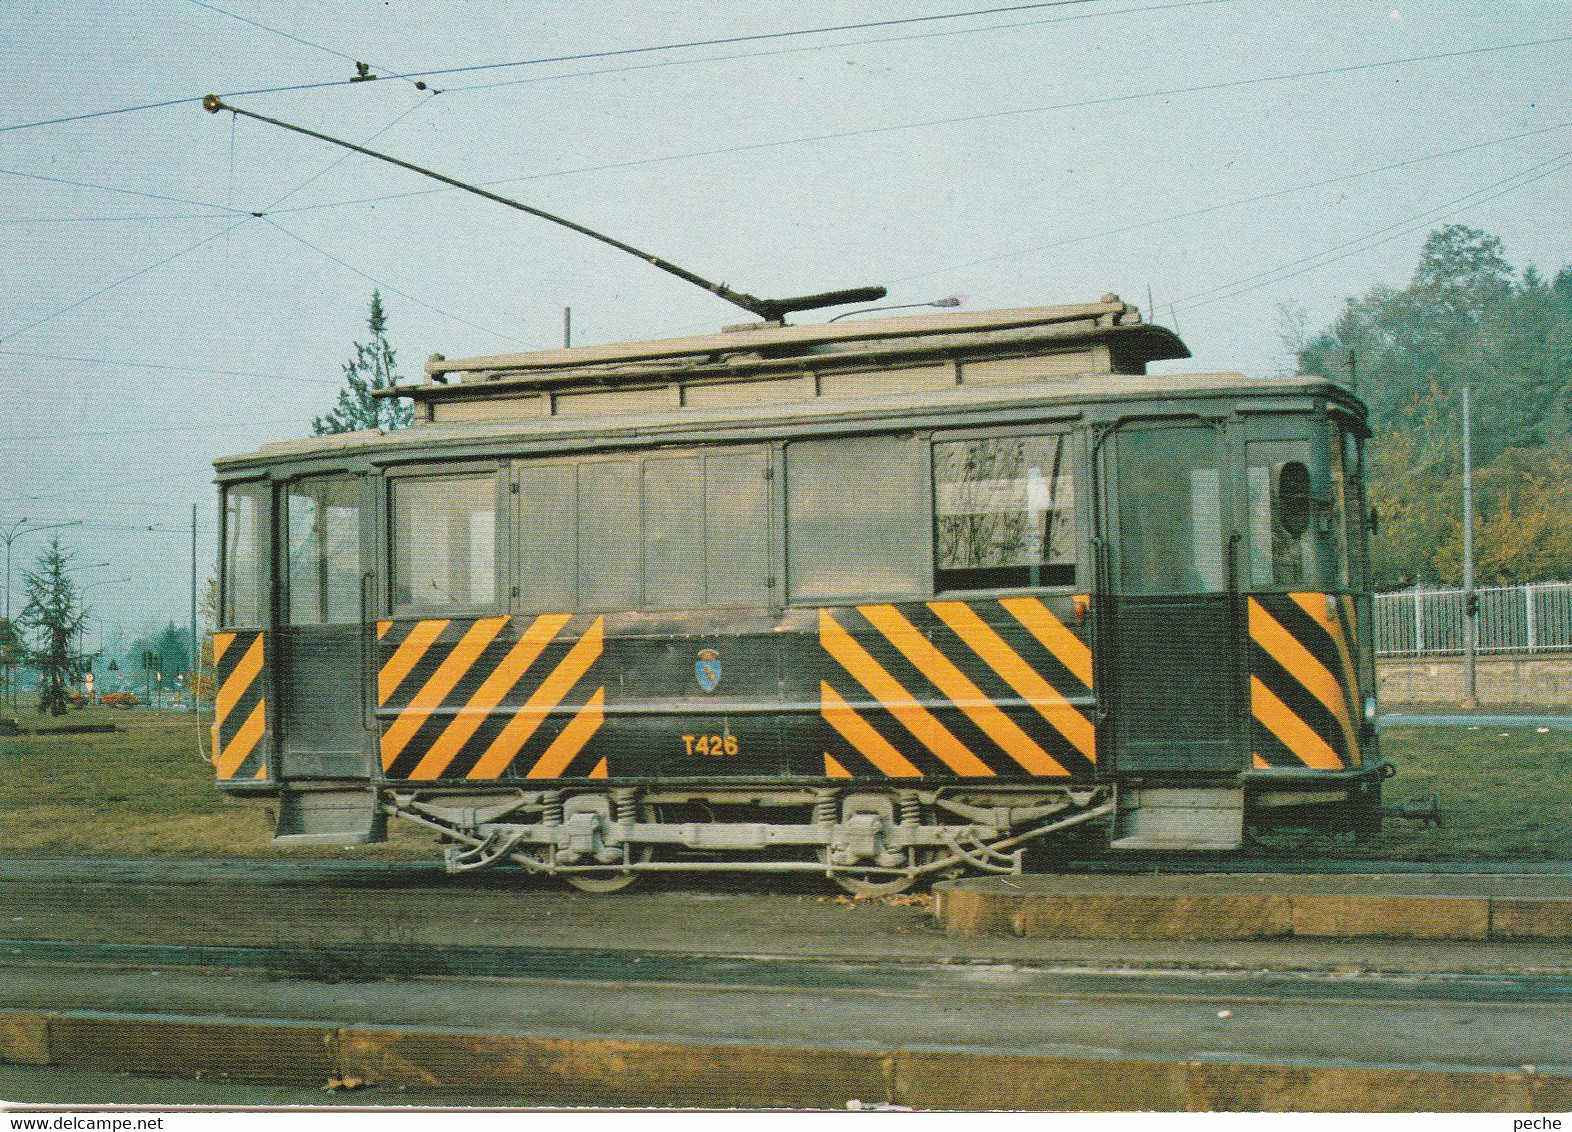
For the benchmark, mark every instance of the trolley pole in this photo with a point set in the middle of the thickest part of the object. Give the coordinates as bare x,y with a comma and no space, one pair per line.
1470,600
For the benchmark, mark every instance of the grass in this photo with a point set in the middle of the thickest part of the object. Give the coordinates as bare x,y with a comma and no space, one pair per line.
142,791
145,791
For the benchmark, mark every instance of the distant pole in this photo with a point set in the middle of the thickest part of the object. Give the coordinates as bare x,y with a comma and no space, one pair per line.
196,661
567,327
1470,600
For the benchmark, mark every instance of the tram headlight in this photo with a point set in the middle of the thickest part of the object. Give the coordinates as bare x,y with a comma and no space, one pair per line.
1370,709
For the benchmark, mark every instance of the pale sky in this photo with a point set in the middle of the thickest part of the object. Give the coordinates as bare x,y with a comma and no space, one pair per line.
1031,155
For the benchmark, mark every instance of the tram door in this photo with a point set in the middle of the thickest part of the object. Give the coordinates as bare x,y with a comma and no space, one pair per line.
1168,628
324,639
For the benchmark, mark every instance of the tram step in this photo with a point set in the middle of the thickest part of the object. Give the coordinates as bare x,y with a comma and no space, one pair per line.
1179,820
329,817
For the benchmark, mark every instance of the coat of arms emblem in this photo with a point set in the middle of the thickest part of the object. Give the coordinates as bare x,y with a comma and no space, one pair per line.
707,669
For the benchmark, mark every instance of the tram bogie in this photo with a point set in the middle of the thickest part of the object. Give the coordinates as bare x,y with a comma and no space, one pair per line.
879,600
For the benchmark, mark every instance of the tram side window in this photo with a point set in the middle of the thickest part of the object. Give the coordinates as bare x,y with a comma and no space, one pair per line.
445,541
1004,513
857,523
668,531
322,517
245,568
1282,530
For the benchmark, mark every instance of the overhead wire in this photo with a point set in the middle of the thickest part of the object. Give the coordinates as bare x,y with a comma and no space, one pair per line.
568,58
839,45
1222,206
124,280
391,287
870,131
206,370
218,208
1390,232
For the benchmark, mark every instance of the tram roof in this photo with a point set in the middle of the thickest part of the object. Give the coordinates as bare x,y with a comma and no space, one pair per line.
1061,398
762,347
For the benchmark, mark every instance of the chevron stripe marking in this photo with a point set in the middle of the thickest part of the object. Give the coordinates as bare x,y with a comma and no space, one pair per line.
244,742
406,656
897,700
833,769
1026,680
382,628
435,690
1302,665
572,739
1294,733
497,685
1344,643
863,738
959,689
1259,763
236,683
528,718
221,643
1068,649
600,770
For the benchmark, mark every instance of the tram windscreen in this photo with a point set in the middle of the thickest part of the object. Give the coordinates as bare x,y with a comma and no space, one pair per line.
323,518
1004,513
245,576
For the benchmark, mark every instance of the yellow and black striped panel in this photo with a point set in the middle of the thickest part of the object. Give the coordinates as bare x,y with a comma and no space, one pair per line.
1304,694
956,689
240,706
497,697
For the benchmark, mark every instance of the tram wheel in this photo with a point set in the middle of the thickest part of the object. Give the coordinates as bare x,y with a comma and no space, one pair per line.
601,882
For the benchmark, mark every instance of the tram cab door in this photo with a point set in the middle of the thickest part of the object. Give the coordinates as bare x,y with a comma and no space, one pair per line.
1168,636
323,631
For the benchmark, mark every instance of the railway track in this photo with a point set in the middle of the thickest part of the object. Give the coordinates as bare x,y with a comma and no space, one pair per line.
1017,981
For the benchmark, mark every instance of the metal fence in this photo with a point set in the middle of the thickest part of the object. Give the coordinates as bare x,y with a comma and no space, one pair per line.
1512,619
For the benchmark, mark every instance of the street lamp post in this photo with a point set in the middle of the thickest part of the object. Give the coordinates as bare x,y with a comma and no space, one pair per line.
82,647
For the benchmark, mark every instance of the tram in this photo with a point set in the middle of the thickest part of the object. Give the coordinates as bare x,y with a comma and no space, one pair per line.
880,599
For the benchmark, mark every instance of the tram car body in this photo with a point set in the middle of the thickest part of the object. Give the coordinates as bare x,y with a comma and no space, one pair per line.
880,599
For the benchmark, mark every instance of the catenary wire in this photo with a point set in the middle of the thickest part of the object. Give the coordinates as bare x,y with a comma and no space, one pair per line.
219,209
1225,205
395,290
840,45
170,368
1388,233
580,56
870,131
125,279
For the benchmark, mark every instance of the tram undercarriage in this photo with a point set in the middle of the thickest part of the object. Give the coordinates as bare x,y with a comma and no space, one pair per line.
869,841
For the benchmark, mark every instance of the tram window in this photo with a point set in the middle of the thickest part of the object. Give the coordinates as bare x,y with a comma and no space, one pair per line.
1004,513
673,499
610,532
245,569
736,529
1170,512
322,517
1337,520
548,563
857,524
445,541
1282,543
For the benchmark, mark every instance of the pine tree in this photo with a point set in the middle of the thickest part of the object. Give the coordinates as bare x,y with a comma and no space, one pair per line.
55,619
373,367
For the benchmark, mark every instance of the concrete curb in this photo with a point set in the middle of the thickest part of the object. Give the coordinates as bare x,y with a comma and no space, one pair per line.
984,907
614,1072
